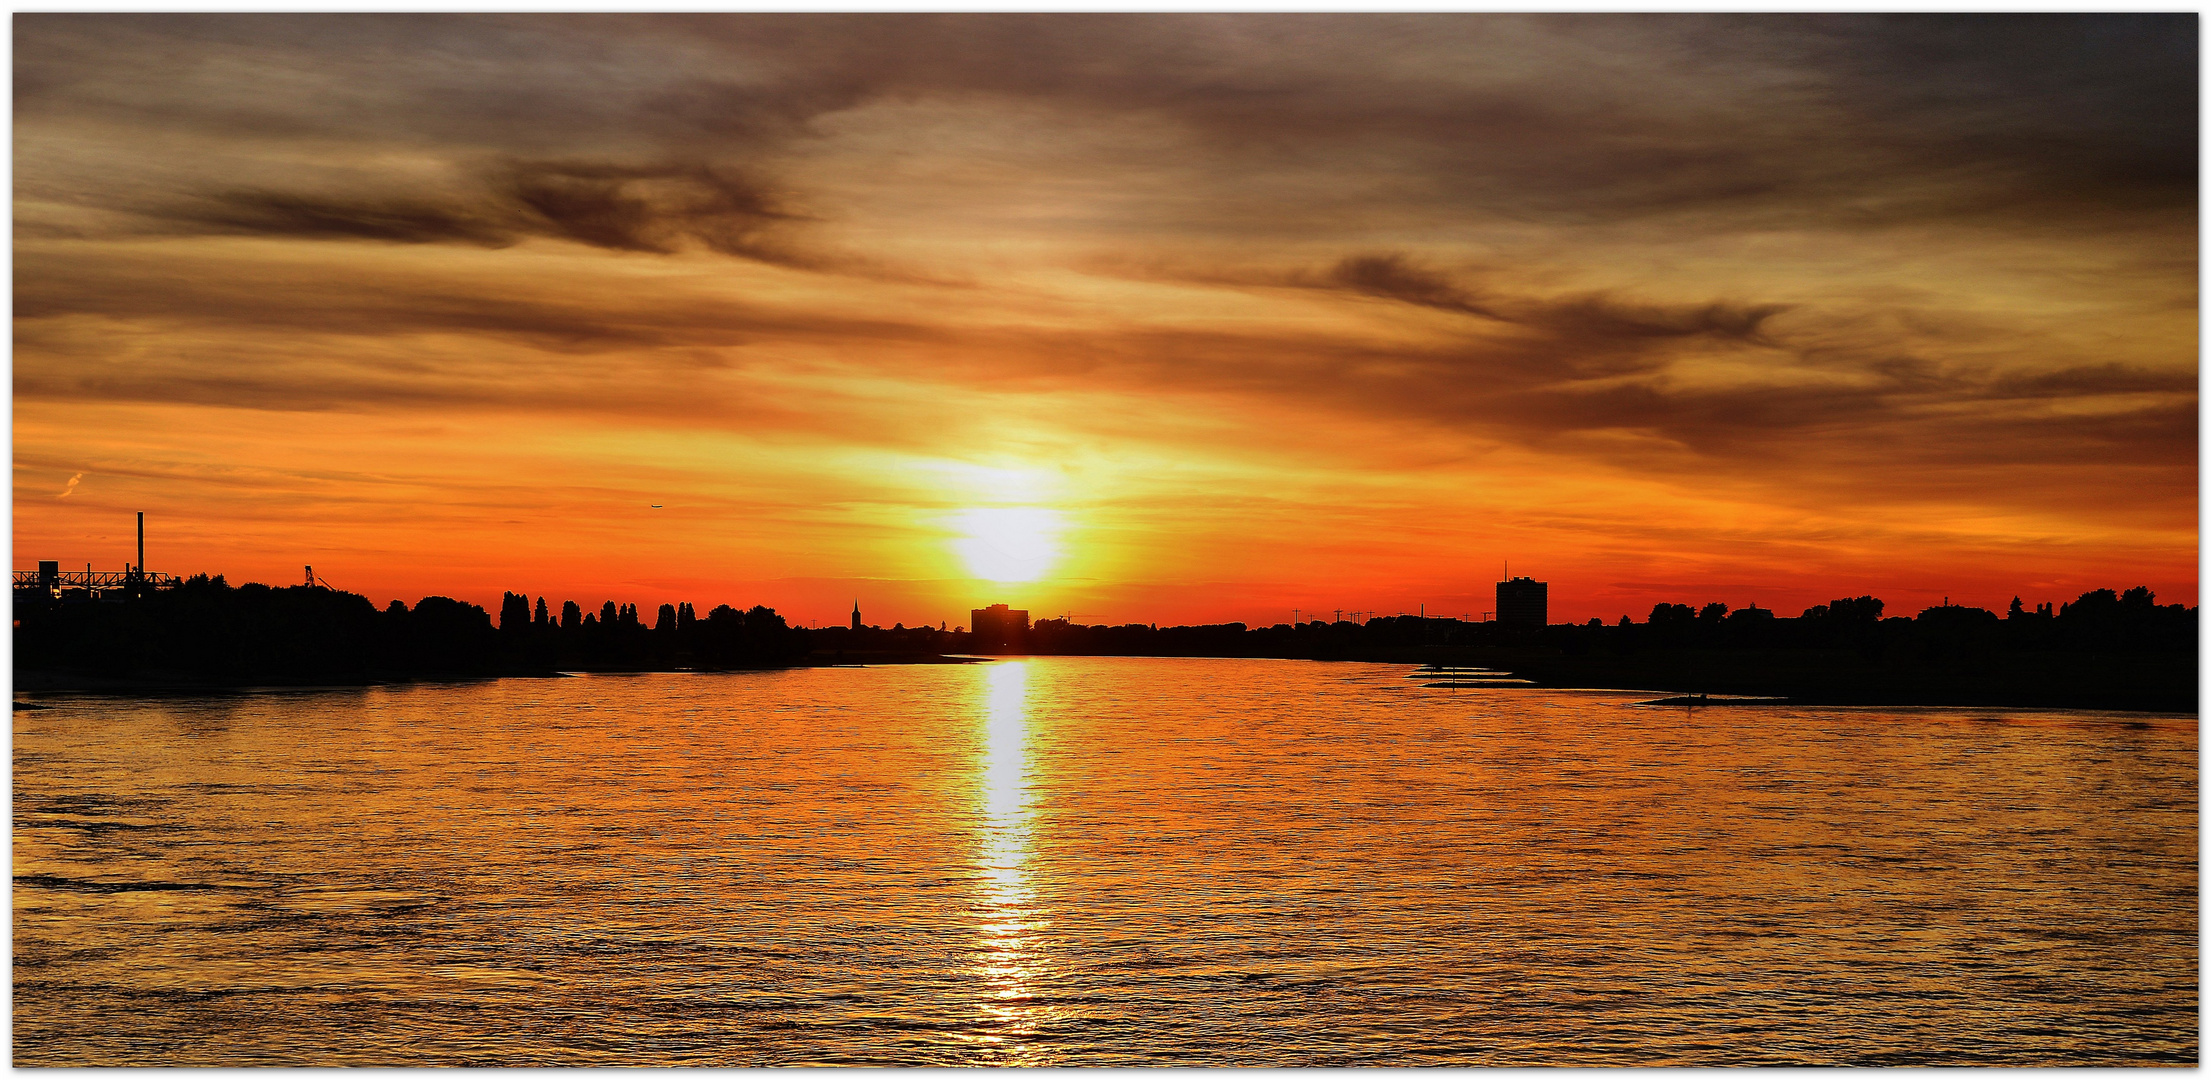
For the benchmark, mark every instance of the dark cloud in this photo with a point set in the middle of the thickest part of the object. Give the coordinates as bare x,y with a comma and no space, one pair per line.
402,221
647,209
2036,119
658,209
1393,277
1577,117
1584,335
2091,380
254,299
2050,108
1599,316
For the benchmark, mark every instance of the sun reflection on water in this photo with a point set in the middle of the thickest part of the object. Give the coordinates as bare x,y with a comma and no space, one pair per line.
1006,962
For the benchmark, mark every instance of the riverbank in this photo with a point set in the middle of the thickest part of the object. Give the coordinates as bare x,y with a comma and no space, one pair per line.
42,681
2143,683
2162,683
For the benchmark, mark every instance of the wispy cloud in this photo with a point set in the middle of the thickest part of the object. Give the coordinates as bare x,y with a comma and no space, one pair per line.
658,209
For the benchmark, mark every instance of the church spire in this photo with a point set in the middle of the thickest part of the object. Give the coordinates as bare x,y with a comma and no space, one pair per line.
855,613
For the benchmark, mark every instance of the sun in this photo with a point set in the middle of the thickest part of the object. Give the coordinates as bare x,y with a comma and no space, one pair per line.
1008,544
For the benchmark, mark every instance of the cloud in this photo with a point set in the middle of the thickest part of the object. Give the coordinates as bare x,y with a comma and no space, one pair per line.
1588,317
1393,277
72,486
650,209
1846,121
656,209
558,312
1607,377
269,213
2091,380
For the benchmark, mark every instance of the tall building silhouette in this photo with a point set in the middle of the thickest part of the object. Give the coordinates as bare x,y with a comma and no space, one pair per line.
855,614
999,627
1524,603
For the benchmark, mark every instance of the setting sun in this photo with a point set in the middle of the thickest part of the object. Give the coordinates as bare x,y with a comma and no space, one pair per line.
1009,544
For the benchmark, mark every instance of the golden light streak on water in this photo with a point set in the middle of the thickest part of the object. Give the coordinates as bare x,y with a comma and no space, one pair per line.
1007,915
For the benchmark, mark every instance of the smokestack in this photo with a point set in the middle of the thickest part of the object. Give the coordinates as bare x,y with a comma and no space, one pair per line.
141,543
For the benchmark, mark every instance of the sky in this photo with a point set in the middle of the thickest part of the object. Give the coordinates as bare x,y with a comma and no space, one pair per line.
1134,318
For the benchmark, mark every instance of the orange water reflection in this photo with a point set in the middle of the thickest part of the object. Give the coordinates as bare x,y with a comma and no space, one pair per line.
1006,918
1092,861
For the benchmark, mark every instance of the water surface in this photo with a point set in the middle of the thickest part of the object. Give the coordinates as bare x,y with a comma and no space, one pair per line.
1093,861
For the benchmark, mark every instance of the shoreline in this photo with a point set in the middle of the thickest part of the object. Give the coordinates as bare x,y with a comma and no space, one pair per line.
1710,691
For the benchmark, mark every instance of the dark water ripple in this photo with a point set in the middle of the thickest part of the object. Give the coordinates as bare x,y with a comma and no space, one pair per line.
1093,861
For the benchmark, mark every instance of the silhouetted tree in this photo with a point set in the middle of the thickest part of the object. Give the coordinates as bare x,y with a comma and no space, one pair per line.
1957,616
448,636
514,612
1864,609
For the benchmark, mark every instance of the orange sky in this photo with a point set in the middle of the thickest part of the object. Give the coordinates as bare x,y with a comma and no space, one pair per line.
1178,318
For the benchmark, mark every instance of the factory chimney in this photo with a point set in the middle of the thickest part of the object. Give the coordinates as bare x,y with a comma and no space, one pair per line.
141,543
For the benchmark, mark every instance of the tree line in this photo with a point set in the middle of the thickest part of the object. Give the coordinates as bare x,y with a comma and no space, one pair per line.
207,632
2105,648
2100,620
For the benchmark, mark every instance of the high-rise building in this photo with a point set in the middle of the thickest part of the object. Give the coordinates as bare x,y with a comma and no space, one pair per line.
998,627
1524,603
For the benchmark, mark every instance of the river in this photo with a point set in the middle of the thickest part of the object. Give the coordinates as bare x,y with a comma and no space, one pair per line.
1096,861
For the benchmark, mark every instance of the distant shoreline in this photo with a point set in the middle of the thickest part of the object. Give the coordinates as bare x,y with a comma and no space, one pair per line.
2105,650
1723,691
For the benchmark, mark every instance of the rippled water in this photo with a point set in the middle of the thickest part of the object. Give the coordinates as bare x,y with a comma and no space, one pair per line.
1093,861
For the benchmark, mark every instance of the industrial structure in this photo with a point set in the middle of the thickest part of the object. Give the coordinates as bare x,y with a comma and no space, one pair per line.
1523,603
998,627
50,583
